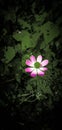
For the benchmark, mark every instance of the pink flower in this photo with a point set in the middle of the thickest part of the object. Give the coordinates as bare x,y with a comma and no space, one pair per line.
36,66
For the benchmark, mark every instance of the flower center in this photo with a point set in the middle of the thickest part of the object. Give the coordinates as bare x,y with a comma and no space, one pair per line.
37,65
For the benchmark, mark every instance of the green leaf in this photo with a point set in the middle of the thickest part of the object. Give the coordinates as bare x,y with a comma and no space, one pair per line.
40,96
41,18
26,56
9,54
18,48
46,89
26,42
29,88
17,36
23,23
24,38
50,31
35,38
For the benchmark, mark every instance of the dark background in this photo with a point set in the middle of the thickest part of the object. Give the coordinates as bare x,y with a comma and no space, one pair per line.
23,118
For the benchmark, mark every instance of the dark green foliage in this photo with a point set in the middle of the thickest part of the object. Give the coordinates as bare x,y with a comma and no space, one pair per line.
38,36
23,35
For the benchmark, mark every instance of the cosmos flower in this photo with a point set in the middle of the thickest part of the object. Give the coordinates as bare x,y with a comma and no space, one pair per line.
36,66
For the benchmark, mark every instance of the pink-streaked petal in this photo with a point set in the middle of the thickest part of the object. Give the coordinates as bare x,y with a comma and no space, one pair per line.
29,63
43,68
39,58
28,70
40,73
33,73
33,59
44,62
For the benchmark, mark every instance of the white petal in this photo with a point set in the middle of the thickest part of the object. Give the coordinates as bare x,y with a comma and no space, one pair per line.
40,73
43,68
33,73
44,62
28,70
39,58
32,58
29,63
